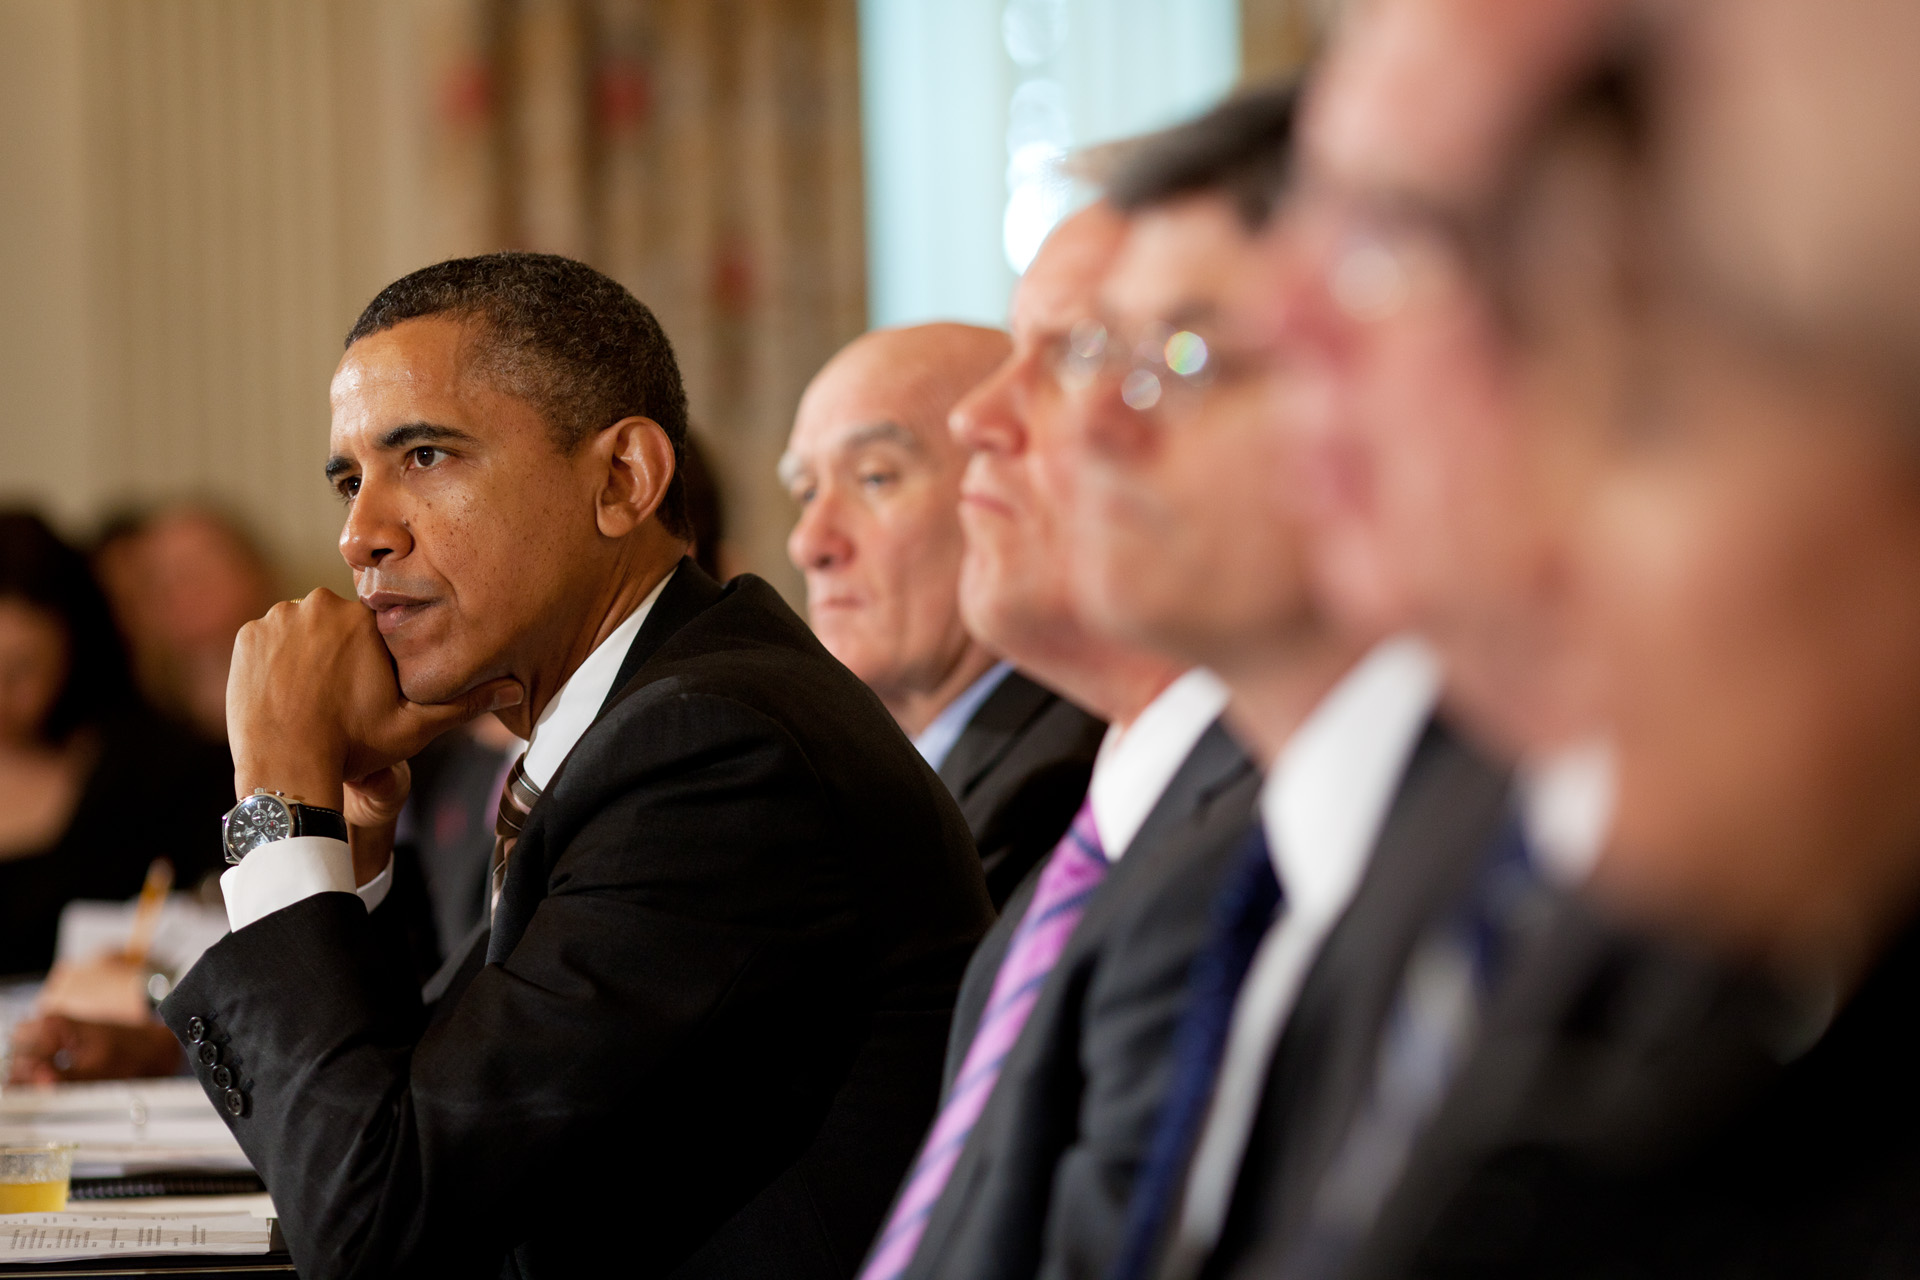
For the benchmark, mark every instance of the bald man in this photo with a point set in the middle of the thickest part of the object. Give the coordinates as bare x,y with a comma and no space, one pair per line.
876,476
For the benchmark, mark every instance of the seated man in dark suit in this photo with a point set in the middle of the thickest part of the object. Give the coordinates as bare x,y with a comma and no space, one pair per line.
732,904
877,479
1729,450
1154,384
1057,1057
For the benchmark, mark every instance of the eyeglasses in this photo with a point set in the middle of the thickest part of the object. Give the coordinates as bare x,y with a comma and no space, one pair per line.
1379,255
1163,364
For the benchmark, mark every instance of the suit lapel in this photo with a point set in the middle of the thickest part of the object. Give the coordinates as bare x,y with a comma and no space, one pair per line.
688,594
1578,1052
1446,808
995,727
1216,763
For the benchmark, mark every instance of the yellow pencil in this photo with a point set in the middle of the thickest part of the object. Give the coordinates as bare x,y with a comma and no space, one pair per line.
146,916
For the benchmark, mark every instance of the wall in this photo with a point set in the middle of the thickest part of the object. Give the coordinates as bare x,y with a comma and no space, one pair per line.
196,207
46,439
197,197
706,153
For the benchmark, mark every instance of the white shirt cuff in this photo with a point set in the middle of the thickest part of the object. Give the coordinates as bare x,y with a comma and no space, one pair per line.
374,891
287,871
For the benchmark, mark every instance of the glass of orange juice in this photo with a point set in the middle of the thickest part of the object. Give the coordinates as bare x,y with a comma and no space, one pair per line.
33,1179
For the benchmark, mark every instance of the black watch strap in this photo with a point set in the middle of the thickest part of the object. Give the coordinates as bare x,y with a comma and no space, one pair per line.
312,820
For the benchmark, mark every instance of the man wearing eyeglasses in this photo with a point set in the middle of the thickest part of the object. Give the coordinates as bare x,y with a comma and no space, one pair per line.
1058,1055
1375,812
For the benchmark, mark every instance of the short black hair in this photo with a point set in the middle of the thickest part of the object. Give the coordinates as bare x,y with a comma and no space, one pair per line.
39,569
1241,150
570,341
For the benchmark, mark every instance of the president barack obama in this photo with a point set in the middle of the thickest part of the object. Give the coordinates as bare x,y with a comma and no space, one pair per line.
732,904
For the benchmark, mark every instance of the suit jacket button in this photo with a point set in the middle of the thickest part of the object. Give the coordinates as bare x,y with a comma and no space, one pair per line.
196,1030
209,1053
236,1103
222,1078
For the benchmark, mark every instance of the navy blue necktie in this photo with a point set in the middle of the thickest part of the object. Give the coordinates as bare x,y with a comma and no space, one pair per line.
1241,913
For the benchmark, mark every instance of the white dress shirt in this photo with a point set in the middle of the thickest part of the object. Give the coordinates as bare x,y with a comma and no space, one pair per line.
935,742
1322,806
280,874
1566,807
1134,768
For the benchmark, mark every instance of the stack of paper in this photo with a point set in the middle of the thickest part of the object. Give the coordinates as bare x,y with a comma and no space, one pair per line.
124,1126
186,928
61,1237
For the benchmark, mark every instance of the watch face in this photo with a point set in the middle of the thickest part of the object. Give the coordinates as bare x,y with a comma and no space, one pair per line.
255,821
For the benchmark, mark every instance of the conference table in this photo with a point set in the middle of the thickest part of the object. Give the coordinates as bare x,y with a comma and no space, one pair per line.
153,1153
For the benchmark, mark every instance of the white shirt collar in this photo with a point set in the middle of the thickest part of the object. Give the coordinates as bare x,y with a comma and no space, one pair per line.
1322,806
1327,795
579,700
1133,768
935,742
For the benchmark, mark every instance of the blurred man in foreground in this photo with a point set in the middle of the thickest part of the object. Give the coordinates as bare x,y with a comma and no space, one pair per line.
731,904
1723,451
1060,1047
876,476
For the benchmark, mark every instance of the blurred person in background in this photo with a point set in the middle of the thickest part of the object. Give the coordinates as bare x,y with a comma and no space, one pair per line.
876,476
1060,1048
183,580
80,754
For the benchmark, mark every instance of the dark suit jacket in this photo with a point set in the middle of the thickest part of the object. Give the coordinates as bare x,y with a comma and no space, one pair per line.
1019,770
1445,814
1635,1111
710,1014
1043,1183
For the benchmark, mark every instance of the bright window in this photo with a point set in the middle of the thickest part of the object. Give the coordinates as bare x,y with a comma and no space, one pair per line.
967,108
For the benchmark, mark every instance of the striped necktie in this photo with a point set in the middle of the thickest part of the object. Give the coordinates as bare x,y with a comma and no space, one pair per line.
517,797
1072,873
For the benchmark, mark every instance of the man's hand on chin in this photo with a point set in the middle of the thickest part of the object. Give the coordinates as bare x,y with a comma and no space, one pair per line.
312,702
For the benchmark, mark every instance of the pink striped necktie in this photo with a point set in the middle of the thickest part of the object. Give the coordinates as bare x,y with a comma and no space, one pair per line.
1073,872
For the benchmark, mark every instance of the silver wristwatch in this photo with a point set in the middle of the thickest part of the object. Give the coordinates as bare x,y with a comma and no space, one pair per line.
267,816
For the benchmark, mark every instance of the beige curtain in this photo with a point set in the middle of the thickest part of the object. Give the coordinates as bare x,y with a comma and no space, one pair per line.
706,153
1277,36
206,192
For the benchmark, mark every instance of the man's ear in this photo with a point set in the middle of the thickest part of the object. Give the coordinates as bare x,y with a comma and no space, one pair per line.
638,460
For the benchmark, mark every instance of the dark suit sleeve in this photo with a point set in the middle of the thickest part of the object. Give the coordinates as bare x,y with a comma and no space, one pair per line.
668,1009
1020,770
